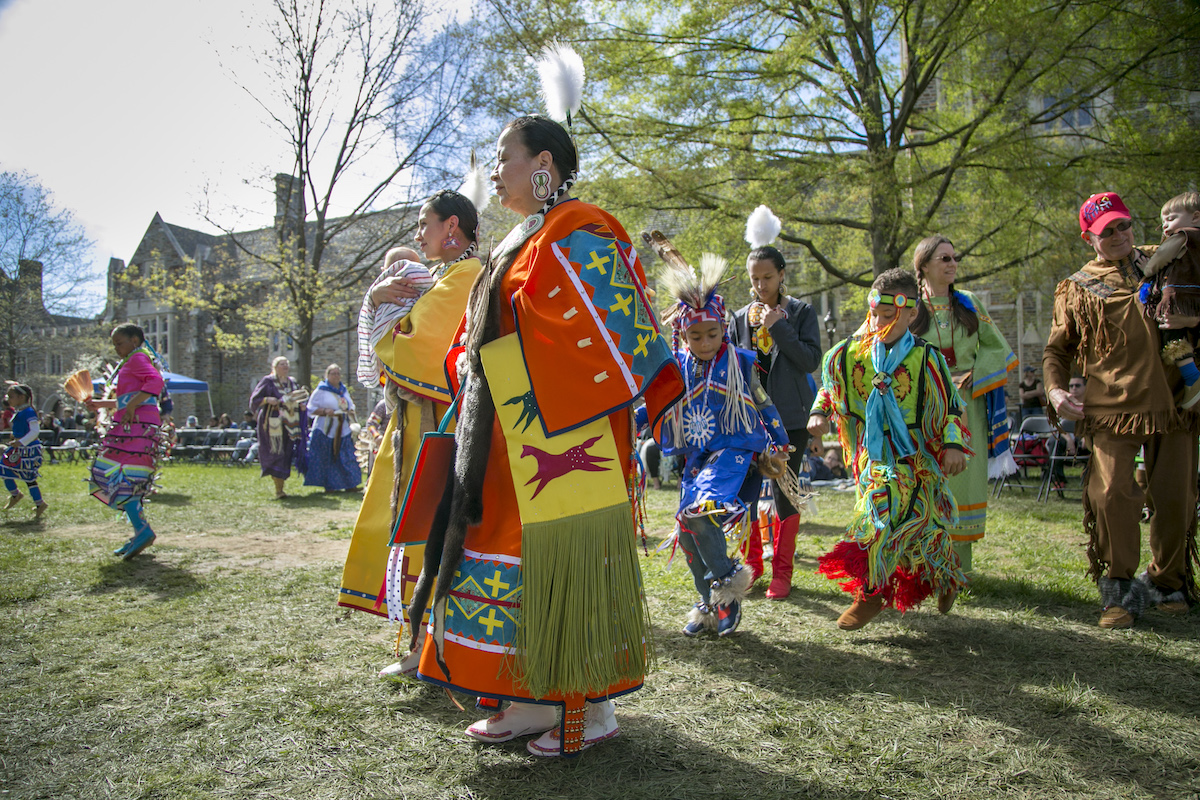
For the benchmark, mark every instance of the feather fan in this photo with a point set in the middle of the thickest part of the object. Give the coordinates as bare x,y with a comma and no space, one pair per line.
79,386
475,186
762,226
561,71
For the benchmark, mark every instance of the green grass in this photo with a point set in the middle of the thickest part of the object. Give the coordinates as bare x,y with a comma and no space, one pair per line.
218,666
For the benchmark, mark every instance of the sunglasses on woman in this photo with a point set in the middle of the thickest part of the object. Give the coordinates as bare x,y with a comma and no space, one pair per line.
956,258
1121,226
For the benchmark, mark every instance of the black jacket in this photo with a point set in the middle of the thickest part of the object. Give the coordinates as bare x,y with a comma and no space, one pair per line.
798,352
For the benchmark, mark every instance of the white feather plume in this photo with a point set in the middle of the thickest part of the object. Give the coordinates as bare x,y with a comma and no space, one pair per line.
762,226
561,71
476,187
712,268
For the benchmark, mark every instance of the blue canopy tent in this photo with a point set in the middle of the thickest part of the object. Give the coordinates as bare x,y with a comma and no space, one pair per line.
176,384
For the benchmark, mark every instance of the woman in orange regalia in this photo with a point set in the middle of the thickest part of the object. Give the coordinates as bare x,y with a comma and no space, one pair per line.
531,573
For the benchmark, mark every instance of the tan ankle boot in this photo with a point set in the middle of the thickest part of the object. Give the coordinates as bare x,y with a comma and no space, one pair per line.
864,609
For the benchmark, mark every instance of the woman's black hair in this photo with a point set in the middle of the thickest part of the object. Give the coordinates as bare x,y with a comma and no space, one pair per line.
447,203
540,133
768,253
24,389
964,316
130,331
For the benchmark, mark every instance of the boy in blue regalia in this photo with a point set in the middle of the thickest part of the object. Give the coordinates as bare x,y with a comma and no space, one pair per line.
722,426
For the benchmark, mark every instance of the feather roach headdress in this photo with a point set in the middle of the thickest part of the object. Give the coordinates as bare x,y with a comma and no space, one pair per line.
561,72
696,301
695,291
762,227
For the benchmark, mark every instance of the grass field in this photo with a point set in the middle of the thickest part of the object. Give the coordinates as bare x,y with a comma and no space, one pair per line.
217,665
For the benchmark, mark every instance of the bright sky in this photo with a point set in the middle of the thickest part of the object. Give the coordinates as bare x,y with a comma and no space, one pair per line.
121,108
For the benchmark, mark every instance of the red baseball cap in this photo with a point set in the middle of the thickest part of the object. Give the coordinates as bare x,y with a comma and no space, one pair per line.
1099,210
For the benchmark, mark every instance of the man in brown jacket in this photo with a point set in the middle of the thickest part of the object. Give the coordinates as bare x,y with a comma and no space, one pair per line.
1128,404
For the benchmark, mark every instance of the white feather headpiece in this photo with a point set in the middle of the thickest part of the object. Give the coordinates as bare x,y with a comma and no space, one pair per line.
475,186
561,72
762,226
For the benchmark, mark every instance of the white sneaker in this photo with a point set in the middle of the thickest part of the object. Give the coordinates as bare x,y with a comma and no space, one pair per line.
601,725
519,719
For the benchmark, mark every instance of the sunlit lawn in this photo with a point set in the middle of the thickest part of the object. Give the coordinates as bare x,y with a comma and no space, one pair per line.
217,665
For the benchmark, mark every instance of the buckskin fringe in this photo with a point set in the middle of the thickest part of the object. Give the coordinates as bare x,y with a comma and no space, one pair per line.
1097,566
1141,423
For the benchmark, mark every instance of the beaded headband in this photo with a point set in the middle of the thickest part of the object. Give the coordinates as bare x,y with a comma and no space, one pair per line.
897,300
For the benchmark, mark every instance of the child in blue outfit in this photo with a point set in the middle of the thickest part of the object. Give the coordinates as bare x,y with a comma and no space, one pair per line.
23,457
723,423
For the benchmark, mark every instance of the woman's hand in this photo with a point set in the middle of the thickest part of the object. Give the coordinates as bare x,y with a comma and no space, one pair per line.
393,290
129,415
954,461
818,424
1064,405
774,315
270,401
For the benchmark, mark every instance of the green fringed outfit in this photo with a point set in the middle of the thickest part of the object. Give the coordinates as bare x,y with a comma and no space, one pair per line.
988,357
897,545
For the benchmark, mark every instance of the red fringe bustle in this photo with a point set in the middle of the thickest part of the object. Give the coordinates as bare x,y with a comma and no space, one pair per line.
847,563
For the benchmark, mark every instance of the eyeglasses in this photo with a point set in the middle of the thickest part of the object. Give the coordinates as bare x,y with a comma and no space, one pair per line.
956,258
1121,226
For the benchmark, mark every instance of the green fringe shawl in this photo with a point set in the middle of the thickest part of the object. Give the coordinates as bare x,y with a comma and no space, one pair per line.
582,626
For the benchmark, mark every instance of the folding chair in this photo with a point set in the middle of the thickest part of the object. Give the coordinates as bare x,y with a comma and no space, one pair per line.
1029,449
1058,456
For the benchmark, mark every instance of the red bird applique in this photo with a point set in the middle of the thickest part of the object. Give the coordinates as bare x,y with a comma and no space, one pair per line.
551,466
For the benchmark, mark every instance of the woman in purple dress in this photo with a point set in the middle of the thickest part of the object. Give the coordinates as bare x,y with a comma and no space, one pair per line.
279,406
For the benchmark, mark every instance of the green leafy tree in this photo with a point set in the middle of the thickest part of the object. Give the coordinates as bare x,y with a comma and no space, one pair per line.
868,124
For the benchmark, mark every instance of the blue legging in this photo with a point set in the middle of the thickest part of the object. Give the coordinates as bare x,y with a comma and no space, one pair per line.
35,494
133,510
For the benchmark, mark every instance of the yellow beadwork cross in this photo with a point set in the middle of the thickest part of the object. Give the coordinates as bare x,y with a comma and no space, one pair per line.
643,340
491,622
495,584
598,262
622,304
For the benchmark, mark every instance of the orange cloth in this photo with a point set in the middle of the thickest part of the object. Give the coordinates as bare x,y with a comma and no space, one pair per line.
565,375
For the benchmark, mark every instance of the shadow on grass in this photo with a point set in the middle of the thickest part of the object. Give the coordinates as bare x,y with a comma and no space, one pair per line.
1005,593
648,760
145,572
23,525
1046,684
171,499
318,500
